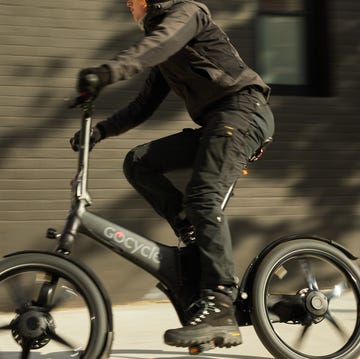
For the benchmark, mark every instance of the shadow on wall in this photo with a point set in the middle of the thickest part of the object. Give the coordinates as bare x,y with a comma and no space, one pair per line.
308,155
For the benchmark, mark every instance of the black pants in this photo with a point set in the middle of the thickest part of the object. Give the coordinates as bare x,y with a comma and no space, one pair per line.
217,152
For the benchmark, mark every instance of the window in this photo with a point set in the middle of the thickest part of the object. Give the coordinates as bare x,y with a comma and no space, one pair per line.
292,46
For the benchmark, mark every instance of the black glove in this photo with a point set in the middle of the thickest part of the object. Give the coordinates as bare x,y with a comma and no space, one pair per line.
95,137
86,83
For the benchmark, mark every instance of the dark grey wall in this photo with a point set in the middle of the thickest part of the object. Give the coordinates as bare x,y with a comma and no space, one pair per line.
307,182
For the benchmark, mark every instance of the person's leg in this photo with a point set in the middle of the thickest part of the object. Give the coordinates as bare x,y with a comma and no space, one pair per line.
145,167
229,138
215,169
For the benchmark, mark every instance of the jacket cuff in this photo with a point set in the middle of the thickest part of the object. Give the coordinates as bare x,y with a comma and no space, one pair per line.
102,130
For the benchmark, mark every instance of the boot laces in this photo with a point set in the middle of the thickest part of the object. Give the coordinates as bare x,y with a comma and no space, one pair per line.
206,307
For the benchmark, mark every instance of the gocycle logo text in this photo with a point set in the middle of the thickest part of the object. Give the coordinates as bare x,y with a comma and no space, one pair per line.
134,246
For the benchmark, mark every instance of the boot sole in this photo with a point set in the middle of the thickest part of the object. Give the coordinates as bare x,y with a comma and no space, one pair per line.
220,336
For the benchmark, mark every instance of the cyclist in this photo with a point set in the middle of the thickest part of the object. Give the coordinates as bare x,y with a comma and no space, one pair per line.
189,54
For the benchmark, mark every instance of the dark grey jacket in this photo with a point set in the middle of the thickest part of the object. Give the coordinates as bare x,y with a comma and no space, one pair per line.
187,53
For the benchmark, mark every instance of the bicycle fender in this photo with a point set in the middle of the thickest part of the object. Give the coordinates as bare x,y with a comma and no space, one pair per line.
97,282
245,286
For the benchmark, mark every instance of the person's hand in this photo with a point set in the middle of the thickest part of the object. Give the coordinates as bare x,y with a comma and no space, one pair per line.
95,137
92,85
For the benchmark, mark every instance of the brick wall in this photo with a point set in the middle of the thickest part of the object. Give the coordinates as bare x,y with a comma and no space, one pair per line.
307,182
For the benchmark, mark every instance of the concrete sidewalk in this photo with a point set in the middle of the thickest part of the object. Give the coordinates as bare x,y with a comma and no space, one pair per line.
139,329
139,332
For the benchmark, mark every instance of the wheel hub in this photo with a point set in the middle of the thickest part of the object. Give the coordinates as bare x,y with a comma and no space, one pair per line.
317,303
33,327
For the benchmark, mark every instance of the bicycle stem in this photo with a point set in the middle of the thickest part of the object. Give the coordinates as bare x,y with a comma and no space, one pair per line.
80,190
81,197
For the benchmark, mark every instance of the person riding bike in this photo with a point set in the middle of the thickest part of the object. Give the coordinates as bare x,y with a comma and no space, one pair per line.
189,54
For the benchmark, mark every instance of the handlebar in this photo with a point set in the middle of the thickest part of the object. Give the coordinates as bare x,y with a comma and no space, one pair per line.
87,97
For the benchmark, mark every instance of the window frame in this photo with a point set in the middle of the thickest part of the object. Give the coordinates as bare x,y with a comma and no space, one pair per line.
315,14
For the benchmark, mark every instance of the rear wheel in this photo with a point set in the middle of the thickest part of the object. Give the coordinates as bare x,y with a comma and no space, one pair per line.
49,305
306,302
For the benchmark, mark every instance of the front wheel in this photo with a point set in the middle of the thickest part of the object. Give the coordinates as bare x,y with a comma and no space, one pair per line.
306,302
49,305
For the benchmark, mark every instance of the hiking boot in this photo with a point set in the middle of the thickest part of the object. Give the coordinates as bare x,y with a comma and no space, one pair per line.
214,321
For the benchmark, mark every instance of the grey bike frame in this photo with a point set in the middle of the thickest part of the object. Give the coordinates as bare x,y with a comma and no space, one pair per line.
157,259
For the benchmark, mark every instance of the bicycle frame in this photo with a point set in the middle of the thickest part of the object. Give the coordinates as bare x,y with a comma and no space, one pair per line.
156,258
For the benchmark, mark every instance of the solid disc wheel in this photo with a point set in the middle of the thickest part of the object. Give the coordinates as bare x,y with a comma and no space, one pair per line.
306,302
49,305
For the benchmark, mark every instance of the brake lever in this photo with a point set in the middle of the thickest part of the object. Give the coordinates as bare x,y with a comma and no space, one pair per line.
79,100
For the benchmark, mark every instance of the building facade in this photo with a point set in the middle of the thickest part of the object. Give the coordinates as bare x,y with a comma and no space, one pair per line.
307,182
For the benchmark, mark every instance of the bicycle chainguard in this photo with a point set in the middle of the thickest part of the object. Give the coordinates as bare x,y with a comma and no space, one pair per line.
199,348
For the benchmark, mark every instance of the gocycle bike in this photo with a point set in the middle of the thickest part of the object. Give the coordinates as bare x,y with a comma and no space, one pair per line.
301,293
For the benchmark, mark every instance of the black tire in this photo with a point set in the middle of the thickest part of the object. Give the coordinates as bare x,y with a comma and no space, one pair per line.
39,290
306,302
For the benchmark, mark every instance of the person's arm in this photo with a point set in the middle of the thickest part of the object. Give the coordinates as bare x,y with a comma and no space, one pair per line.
177,27
154,91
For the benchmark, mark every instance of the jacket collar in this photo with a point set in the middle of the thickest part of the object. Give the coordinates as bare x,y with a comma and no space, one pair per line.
159,7
162,4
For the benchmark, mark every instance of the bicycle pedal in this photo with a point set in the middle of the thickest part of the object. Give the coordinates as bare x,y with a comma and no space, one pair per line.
52,233
199,348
